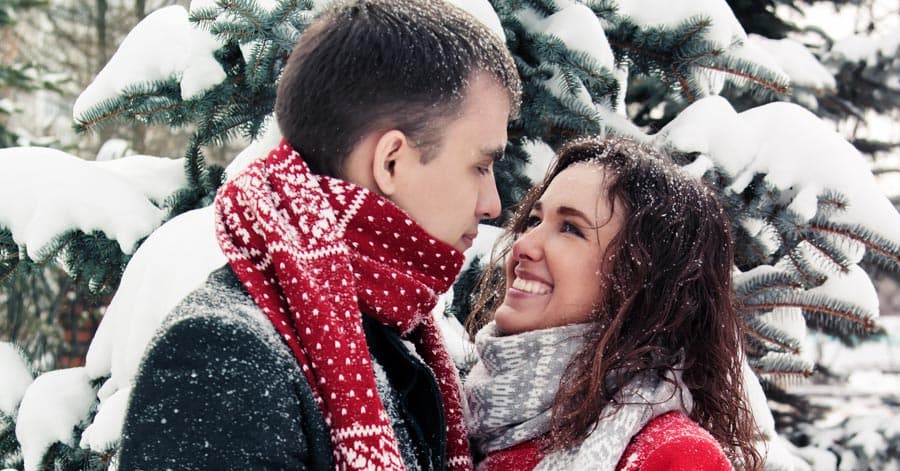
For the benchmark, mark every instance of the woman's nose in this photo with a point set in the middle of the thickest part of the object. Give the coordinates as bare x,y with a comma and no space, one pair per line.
529,245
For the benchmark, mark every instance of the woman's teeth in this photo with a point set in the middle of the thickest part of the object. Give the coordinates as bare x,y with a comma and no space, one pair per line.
533,287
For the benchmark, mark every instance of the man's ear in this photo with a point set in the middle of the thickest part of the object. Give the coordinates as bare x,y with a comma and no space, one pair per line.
391,150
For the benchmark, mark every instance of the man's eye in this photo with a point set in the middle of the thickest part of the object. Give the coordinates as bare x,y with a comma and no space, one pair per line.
484,170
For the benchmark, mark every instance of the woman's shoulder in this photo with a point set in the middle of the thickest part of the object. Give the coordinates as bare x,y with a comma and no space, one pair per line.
674,442
525,455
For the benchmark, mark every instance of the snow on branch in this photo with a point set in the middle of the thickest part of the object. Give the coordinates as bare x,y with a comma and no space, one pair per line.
54,405
704,45
163,46
45,193
796,151
16,377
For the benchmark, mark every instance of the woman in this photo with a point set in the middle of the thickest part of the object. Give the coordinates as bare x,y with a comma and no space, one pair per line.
615,343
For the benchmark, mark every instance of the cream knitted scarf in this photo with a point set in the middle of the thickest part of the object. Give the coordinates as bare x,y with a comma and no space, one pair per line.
511,389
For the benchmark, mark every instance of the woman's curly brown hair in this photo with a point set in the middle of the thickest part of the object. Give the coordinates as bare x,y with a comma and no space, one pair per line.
667,299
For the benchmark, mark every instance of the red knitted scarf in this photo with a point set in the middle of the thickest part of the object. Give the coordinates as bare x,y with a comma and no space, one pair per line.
314,252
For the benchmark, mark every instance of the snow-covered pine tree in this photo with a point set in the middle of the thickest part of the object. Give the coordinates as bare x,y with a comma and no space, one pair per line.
14,74
588,67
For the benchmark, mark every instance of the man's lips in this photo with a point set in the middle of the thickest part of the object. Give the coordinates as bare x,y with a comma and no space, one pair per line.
469,238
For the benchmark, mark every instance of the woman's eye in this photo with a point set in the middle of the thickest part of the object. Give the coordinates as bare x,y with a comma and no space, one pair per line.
572,229
532,221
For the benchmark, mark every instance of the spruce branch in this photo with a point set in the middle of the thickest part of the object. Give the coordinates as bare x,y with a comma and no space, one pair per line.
890,251
234,31
776,365
779,88
288,8
776,338
246,10
204,15
834,308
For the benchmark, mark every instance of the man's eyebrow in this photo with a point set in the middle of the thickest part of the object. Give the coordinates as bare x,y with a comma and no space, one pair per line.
495,154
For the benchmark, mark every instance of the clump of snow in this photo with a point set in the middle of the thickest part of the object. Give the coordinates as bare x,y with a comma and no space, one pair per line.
540,157
800,65
740,277
105,432
763,232
112,149
854,287
176,259
712,128
172,262
45,193
725,30
867,47
484,12
757,401
16,378
788,319
798,152
580,30
52,407
863,364
257,149
157,178
163,46
698,167
816,152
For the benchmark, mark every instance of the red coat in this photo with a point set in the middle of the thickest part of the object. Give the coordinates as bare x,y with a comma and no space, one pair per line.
670,442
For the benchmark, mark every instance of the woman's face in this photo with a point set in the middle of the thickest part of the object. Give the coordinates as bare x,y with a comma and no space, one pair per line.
554,275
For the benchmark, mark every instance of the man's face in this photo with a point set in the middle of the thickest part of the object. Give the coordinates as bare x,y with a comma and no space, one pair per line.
452,192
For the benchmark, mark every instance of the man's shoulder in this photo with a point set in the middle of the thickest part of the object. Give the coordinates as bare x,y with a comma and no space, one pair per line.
220,302
221,297
218,389
219,318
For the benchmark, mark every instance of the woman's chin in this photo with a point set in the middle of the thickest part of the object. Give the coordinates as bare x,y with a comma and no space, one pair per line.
509,321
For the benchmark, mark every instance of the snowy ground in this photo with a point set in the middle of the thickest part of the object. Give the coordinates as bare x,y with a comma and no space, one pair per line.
861,429
872,372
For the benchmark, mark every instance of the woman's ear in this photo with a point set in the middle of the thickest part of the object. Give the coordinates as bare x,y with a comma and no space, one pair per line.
390,149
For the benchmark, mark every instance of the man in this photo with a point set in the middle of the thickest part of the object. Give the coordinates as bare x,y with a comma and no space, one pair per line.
314,348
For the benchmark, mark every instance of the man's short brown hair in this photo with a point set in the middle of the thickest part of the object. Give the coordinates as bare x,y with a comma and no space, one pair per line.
367,65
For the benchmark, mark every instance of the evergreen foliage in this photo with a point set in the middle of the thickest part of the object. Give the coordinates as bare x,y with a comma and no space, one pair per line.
17,76
10,451
567,93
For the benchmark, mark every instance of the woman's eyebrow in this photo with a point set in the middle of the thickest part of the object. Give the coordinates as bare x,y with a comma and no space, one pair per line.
572,212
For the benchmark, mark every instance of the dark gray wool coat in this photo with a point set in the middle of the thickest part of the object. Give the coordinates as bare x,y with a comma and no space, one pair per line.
218,389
